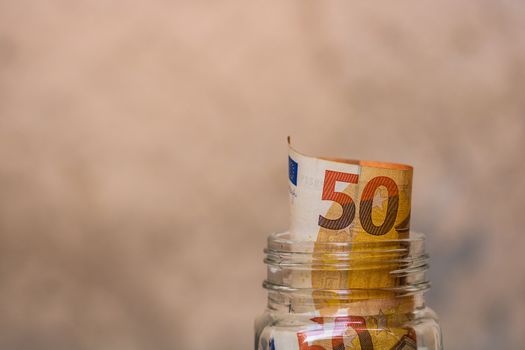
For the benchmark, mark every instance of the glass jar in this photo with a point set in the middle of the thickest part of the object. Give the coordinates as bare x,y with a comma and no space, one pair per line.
347,295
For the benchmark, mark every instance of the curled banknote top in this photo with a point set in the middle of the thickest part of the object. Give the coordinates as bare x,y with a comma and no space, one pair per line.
347,200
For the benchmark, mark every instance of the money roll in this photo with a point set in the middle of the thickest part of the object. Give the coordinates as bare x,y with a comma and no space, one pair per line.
340,200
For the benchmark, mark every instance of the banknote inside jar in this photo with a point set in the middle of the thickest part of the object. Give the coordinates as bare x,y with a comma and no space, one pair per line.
294,265
349,251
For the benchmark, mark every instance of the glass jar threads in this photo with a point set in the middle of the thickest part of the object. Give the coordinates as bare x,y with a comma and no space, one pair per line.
347,295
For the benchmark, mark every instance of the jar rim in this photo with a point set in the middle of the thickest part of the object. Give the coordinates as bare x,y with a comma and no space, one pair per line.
283,242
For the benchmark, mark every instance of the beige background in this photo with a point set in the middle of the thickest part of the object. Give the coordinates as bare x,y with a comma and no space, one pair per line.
143,158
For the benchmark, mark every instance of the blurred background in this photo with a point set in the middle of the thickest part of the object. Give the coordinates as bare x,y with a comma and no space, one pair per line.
143,158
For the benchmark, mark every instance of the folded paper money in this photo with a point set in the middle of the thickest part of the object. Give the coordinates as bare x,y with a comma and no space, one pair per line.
349,201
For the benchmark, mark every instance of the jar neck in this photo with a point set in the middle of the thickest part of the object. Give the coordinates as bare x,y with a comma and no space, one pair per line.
298,304
346,278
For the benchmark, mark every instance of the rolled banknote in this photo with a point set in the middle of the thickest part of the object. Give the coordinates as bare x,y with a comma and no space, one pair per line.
340,200
349,290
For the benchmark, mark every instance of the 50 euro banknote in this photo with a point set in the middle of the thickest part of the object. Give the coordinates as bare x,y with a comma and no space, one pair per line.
340,200
356,202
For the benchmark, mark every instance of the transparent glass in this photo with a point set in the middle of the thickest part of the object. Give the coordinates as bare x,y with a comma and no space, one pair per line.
342,295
